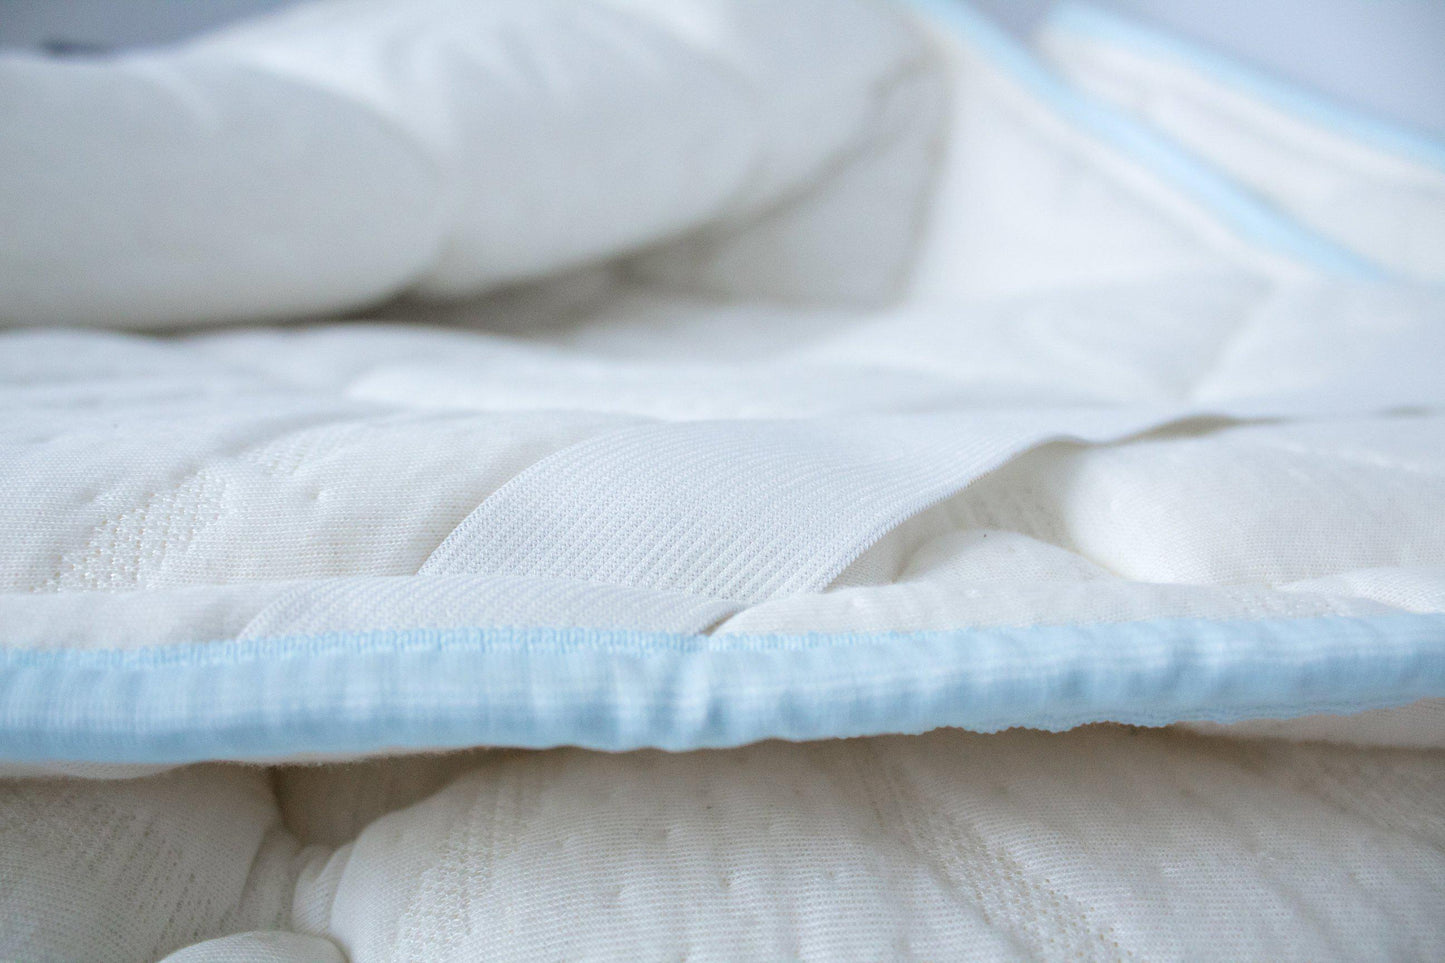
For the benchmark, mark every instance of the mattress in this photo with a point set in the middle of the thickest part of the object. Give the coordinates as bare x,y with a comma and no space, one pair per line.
606,479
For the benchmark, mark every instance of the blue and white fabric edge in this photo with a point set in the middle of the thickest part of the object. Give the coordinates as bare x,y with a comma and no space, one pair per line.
1084,19
1244,212
618,690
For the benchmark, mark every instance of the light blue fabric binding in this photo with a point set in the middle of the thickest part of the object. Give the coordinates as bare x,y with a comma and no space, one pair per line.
623,690
1245,213
1087,20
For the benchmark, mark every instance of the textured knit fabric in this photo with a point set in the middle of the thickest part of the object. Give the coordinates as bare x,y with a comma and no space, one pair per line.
1100,844
700,494
832,368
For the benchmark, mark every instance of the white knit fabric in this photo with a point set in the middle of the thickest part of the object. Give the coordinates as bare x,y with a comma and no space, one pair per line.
1103,843
132,869
798,319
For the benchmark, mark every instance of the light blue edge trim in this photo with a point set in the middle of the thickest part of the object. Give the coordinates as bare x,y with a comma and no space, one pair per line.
1245,213
1310,105
619,690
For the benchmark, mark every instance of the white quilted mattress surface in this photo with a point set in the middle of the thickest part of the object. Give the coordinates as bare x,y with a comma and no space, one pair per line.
622,479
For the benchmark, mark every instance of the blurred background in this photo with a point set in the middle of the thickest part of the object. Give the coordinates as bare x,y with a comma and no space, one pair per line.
1387,56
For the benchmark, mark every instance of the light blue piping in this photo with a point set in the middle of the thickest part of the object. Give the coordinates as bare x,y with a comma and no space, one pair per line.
1246,213
618,690
1386,136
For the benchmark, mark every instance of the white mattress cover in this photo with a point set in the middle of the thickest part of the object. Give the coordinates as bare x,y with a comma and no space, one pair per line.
1062,426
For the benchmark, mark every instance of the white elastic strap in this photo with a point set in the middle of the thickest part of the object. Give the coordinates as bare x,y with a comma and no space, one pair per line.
746,510
445,602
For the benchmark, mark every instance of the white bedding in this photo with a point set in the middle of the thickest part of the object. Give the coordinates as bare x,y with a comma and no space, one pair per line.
1098,844
725,371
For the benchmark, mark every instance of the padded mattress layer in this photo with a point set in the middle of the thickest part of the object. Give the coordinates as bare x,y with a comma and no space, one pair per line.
1100,844
719,372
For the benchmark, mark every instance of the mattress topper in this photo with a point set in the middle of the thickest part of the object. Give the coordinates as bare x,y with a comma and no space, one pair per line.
773,397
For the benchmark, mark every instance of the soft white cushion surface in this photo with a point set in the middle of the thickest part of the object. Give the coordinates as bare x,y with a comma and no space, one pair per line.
1098,844
823,323
334,155
1147,397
